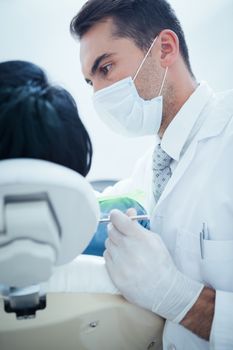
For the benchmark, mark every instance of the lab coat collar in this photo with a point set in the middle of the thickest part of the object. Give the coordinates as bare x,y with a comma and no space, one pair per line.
219,114
180,128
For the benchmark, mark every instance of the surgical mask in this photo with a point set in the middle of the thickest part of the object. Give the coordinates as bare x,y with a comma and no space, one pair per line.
125,112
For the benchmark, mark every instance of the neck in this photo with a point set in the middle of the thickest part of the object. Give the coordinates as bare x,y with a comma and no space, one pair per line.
176,94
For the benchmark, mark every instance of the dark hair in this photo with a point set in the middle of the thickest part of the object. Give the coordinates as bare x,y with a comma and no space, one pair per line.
38,120
141,20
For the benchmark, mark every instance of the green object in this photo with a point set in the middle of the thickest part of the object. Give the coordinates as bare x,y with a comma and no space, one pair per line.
108,203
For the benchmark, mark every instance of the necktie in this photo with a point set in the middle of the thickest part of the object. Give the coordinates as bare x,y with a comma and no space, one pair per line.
161,171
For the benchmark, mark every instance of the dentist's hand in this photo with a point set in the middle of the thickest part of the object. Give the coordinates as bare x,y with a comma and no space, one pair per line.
142,269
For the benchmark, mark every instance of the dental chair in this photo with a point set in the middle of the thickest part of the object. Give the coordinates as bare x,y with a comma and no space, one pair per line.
52,296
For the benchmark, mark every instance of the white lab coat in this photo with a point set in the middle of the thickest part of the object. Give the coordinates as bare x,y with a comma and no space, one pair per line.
199,191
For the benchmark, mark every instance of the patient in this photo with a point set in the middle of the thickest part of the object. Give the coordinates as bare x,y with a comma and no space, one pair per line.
40,120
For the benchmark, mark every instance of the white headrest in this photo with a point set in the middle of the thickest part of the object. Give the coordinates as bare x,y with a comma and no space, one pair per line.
43,205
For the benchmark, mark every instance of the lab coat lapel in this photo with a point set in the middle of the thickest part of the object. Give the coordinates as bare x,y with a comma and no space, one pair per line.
212,127
179,171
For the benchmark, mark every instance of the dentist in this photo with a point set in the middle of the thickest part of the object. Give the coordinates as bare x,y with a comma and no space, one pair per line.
134,54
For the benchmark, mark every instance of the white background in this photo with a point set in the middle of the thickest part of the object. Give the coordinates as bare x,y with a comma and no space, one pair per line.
38,31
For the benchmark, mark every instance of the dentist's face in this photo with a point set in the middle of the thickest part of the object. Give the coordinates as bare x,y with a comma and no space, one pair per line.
106,59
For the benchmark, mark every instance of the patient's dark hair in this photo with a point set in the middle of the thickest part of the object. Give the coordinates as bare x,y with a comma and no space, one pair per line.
140,20
38,120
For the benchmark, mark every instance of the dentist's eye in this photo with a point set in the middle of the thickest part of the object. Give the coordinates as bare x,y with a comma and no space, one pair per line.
89,82
105,69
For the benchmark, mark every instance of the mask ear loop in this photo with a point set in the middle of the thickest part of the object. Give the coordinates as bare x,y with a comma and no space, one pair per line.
145,58
162,85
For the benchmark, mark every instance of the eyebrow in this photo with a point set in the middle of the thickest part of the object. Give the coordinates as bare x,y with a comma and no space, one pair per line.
97,62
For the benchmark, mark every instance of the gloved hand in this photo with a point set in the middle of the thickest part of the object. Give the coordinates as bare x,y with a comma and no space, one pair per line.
141,267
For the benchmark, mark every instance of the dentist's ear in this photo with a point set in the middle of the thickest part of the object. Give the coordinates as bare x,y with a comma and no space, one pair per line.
169,48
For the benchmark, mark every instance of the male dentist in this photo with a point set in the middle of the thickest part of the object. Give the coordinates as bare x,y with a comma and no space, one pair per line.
134,54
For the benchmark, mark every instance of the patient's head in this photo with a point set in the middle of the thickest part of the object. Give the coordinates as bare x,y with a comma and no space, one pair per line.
38,120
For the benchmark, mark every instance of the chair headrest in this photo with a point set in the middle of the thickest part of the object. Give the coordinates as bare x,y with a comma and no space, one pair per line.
48,215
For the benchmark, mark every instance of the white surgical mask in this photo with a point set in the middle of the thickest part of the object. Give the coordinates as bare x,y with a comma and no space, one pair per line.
125,112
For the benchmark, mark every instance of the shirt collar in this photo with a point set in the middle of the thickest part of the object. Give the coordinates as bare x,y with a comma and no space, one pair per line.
178,131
